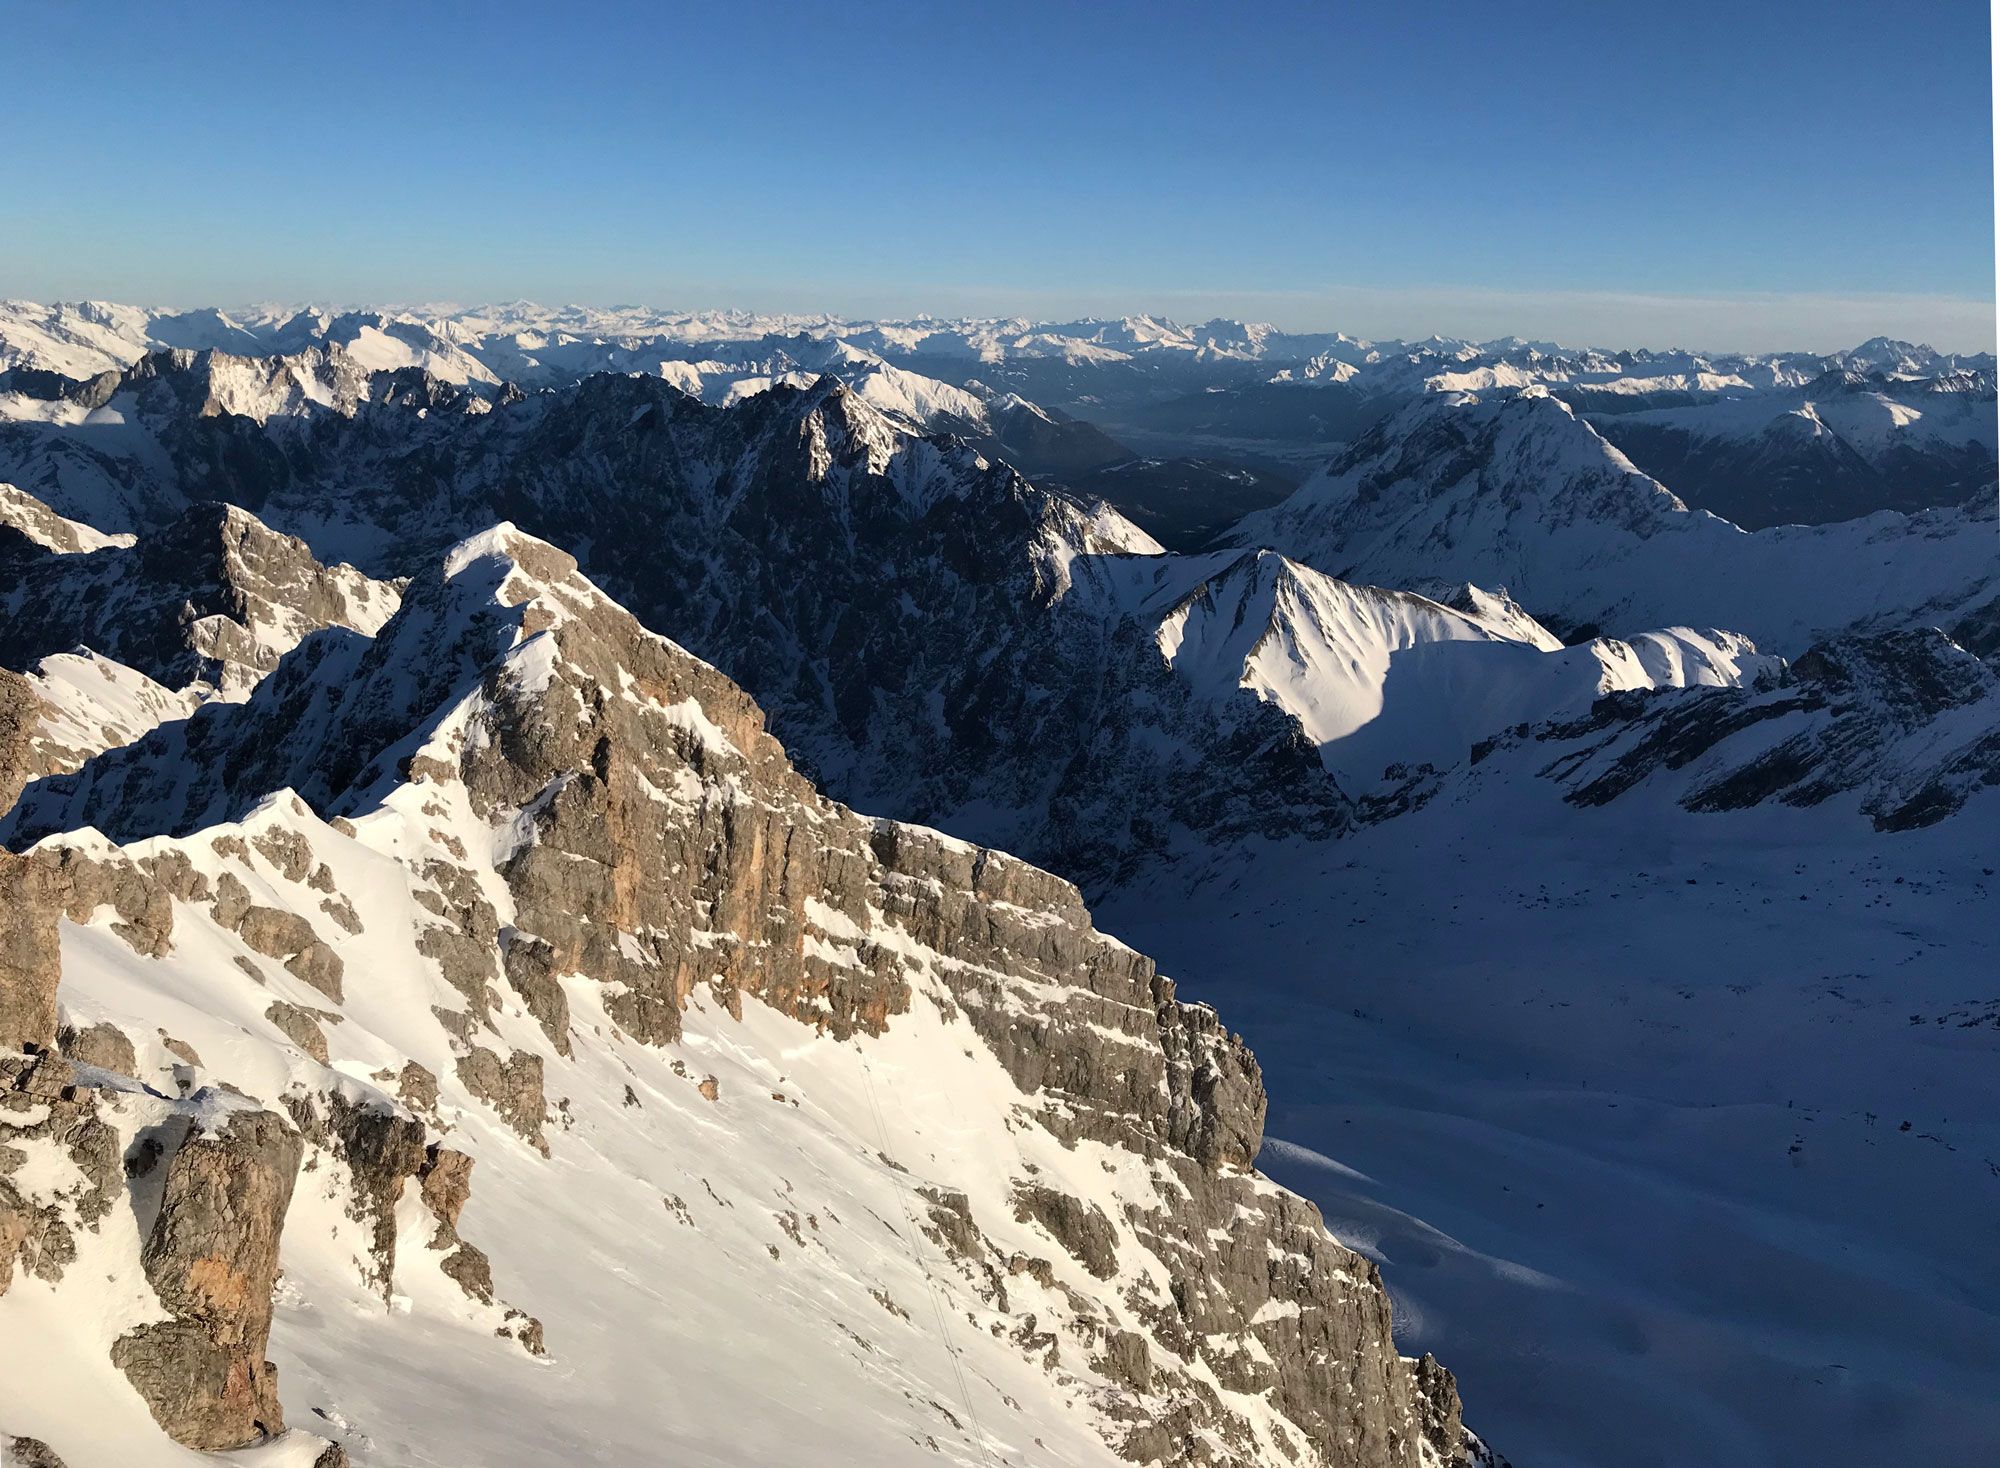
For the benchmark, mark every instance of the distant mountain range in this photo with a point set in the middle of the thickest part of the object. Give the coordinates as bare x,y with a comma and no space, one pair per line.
1212,420
530,344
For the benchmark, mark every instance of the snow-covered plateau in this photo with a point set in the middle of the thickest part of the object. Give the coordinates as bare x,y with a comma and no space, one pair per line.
451,1011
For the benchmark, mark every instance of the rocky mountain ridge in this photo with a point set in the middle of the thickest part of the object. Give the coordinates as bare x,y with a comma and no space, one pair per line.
104,638
1902,726
538,844
942,639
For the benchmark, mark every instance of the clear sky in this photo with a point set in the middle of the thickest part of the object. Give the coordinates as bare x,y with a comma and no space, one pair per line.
1757,173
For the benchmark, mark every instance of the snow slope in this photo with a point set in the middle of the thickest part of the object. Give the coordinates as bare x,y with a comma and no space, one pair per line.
1673,1131
1378,678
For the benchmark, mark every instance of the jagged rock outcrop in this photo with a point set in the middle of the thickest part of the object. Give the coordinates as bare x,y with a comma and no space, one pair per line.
42,1109
931,632
22,757
213,597
30,532
212,1257
1216,1111
30,962
1908,721
512,1086
32,1452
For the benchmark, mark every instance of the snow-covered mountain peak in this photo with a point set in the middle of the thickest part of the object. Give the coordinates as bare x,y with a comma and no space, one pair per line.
1521,491
1314,646
1320,369
1379,680
23,515
1460,464
1494,610
537,345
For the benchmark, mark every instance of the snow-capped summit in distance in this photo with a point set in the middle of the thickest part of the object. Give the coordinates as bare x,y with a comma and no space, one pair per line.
1517,488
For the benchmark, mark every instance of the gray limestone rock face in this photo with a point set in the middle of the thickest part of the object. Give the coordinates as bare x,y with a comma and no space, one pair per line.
1437,1392
212,1257
447,1185
29,1452
67,883
382,1150
285,935
418,1088
288,851
512,1087
657,899
1080,1228
318,965
30,958
301,1027
232,901
214,596
23,757
1127,1360
1216,1108
17,1221
471,1271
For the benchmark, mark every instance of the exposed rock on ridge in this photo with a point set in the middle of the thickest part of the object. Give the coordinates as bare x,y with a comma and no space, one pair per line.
1909,722
929,630
215,597
212,1256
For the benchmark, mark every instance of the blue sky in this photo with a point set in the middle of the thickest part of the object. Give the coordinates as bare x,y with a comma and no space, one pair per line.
1752,174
